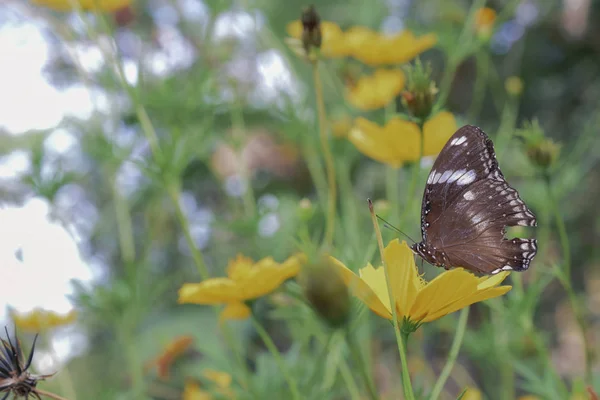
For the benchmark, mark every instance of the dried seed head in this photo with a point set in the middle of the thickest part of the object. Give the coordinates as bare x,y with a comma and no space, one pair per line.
15,378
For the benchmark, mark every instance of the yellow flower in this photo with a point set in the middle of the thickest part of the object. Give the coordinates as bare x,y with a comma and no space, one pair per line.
399,141
40,320
331,45
377,90
102,5
170,353
484,21
373,48
417,300
192,391
472,394
340,126
529,397
246,280
366,45
222,380
513,85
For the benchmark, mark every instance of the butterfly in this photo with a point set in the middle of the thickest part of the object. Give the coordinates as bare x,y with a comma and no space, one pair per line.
466,207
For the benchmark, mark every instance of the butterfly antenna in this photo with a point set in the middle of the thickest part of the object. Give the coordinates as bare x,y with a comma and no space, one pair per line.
392,227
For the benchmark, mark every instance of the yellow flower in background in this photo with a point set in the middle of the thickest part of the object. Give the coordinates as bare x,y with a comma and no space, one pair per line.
175,349
192,391
40,320
373,48
340,126
513,85
417,300
370,47
484,21
246,280
222,381
472,393
67,5
376,91
529,397
331,45
399,141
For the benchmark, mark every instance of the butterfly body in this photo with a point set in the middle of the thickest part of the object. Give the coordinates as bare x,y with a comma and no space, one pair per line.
466,207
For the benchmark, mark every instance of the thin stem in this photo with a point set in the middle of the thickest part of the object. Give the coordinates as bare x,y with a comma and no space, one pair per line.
185,226
277,356
64,377
349,204
400,340
350,382
239,131
42,392
481,78
329,164
362,366
565,276
454,349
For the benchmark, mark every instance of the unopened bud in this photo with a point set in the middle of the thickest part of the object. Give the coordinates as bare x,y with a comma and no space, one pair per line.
484,23
326,291
306,209
541,151
421,91
513,86
311,29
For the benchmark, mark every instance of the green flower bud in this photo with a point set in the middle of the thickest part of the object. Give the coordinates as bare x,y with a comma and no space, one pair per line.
325,290
421,90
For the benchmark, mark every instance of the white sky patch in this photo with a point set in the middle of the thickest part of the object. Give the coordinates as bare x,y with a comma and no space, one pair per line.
49,259
14,165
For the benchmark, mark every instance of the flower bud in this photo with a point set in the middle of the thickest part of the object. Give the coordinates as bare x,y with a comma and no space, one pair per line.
484,23
540,150
311,29
306,209
420,93
325,290
513,86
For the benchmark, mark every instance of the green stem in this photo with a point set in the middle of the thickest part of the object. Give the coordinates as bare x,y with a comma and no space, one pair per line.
406,384
482,68
350,382
454,349
185,226
329,164
362,366
277,356
415,175
401,339
239,131
351,220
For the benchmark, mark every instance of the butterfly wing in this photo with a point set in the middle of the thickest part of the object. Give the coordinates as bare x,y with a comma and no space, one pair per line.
467,205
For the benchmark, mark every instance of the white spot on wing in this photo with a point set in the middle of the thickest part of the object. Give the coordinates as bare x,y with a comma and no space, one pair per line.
468,195
476,218
457,174
467,178
457,141
445,176
437,177
525,246
431,175
507,268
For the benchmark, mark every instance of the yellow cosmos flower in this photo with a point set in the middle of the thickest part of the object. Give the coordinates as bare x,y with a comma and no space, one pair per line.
222,381
332,44
366,45
373,48
375,91
472,394
484,21
417,300
399,141
67,5
40,320
246,280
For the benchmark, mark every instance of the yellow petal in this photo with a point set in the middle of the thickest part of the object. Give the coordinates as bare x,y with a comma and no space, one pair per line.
393,144
222,379
380,49
491,281
40,320
375,91
192,391
404,277
210,291
359,288
437,131
331,46
235,311
445,289
468,300
472,394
